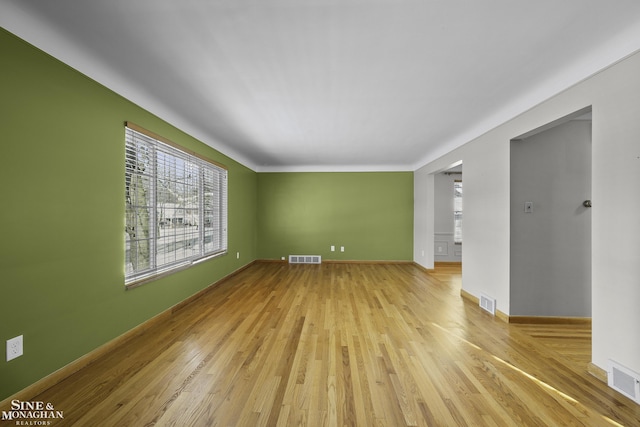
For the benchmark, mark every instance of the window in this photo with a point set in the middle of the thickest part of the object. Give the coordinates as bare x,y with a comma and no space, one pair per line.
175,207
457,212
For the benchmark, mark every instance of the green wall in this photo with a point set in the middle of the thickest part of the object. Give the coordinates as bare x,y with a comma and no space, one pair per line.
369,213
62,216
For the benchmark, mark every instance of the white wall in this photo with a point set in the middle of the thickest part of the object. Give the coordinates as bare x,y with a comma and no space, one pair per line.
423,199
614,95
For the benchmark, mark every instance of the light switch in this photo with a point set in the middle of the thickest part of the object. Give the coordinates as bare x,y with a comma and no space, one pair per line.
528,207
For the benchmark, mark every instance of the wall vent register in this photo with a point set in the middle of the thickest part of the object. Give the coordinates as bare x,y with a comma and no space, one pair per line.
488,304
624,380
305,259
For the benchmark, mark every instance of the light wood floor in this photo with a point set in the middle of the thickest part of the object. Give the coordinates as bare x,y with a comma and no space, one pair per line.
343,345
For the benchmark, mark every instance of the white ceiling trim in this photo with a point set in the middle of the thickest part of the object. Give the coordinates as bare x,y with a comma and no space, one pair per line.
337,168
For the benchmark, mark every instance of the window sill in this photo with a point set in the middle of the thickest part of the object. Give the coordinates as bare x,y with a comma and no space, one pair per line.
180,267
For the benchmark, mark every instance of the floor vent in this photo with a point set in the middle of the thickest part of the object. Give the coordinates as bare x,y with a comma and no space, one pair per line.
305,259
488,304
624,380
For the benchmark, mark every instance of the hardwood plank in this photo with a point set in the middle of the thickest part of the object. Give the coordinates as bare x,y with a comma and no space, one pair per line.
342,344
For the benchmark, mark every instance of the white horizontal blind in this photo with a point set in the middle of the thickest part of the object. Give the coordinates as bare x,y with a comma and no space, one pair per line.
176,207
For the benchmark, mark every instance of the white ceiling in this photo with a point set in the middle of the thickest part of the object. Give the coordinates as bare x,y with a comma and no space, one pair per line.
283,85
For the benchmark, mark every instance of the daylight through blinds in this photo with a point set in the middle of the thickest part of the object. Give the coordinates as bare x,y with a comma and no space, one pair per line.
176,207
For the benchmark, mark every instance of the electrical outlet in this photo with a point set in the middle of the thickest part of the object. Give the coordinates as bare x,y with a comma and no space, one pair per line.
333,248
341,248
14,348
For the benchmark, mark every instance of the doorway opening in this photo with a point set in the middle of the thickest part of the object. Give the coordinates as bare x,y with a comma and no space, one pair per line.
550,219
448,216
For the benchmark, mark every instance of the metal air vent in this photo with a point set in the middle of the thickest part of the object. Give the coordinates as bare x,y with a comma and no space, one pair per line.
624,380
488,304
305,259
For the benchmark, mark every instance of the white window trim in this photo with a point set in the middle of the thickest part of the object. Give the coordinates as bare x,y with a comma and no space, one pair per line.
218,181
